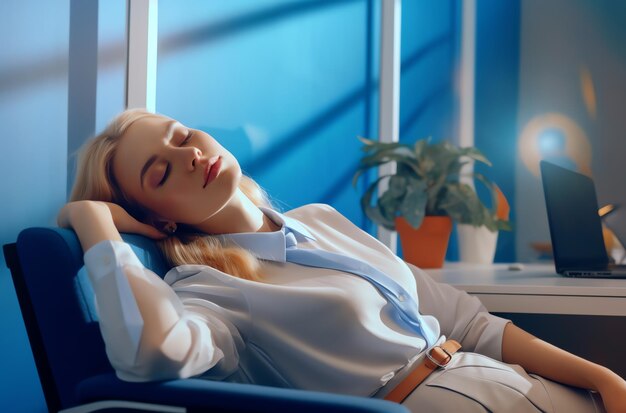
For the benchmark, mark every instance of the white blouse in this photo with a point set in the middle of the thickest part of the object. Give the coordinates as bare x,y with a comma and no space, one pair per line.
302,327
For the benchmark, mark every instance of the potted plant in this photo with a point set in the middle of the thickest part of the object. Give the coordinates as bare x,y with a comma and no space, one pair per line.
426,194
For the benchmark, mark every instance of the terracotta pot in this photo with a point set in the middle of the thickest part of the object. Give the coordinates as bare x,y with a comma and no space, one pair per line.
426,246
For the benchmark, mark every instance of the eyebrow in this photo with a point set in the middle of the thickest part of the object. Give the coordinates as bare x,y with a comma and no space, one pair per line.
169,132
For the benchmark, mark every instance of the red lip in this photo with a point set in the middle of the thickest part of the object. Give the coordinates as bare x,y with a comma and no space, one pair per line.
212,170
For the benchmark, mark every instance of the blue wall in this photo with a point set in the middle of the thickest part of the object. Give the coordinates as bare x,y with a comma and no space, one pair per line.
46,114
33,113
429,63
496,102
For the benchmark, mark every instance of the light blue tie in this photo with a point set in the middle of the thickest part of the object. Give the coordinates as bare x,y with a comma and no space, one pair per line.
406,309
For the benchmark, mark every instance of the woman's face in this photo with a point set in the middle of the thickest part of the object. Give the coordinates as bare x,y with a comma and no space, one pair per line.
179,174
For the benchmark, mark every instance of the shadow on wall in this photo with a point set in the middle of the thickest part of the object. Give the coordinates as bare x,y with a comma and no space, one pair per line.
436,93
50,68
111,55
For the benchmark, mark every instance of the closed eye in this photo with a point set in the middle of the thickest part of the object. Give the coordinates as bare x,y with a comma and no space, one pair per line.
168,167
187,138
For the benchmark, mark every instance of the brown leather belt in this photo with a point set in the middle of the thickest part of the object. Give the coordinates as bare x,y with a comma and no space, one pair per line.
438,356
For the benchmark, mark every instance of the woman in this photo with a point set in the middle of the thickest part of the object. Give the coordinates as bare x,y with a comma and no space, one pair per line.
238,306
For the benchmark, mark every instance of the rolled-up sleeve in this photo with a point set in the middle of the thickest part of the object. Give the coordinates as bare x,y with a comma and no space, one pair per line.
148,332
461,317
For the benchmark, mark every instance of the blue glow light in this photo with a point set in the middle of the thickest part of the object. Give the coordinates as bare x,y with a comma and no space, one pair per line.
551,141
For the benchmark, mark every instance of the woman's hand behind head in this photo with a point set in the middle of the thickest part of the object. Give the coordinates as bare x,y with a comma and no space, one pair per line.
96,221
124,222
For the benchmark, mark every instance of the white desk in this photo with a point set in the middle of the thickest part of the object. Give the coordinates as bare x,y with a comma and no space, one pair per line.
535,289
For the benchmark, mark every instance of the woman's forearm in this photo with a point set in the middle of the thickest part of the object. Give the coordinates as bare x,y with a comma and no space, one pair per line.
539,357
143,307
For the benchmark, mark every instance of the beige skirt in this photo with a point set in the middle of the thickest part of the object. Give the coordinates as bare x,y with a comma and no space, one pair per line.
476,383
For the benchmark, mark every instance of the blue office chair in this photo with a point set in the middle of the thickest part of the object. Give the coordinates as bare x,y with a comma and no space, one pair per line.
58,306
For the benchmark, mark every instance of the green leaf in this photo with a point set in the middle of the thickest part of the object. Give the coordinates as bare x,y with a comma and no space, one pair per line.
366,141
355,178
401,152
397,186
398,155
419,146
462,204
476,155
494,196
389,205
375,213
413,207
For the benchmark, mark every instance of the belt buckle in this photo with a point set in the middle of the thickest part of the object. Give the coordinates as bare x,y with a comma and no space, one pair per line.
436,362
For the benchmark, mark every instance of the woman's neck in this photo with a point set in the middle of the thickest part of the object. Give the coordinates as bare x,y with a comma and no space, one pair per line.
239,215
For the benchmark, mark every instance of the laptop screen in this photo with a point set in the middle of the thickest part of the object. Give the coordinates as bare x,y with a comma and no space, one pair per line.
575,226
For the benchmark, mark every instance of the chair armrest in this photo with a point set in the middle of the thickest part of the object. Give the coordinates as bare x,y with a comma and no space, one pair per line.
232,397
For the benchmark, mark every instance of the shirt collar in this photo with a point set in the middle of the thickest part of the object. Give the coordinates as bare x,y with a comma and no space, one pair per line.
270,245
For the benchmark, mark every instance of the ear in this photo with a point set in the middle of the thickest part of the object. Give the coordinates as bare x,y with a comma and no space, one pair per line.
168,227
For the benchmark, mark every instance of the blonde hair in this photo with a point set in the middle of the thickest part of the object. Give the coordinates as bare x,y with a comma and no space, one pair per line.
95,181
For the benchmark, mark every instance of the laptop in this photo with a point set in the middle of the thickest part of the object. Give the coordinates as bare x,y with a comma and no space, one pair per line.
575,225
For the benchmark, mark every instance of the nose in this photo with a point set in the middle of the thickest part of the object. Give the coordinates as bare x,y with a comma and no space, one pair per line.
195,158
